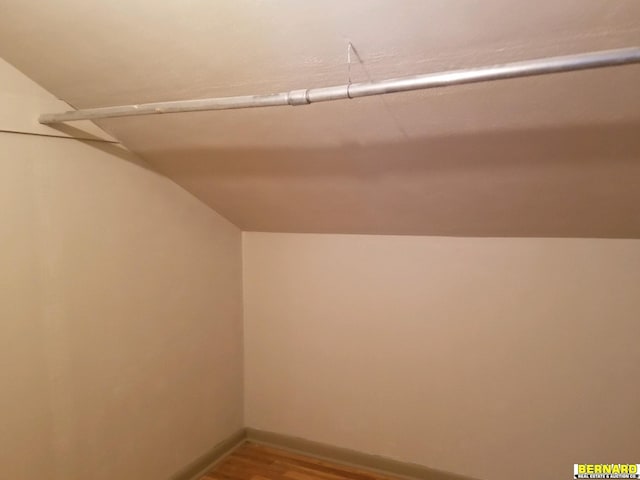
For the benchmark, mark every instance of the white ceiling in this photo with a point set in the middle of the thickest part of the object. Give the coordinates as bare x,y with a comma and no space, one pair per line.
547,156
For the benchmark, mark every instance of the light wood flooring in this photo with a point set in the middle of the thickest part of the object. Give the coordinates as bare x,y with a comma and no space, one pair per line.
252,461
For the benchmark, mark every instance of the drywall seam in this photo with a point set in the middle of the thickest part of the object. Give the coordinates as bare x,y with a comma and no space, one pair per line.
49,135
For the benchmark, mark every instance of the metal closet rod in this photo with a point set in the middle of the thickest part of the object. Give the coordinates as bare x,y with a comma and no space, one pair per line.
528,68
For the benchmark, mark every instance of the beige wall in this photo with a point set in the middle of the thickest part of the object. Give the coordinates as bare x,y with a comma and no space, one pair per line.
121,333
120,309
493,358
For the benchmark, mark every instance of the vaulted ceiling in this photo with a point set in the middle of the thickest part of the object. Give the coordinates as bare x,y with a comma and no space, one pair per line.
548,156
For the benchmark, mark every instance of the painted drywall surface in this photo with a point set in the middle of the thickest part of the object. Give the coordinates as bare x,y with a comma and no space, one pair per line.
23,100
546,156
491,358
120,308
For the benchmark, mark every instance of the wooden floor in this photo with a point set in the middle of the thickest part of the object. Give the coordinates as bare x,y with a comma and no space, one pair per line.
253,461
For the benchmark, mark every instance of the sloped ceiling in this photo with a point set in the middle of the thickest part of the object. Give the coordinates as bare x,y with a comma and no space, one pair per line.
550,156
